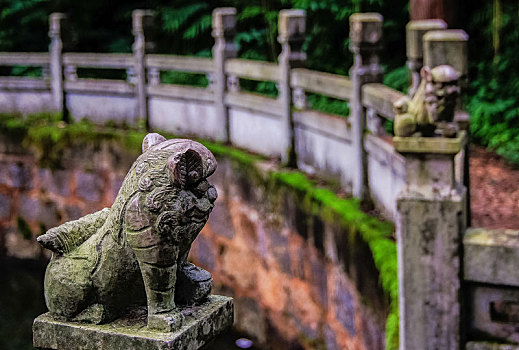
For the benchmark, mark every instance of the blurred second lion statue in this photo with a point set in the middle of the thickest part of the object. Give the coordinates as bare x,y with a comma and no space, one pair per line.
135,253
431,111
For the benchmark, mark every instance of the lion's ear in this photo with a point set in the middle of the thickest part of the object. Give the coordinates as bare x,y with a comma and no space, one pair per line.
426,74
186,168
151,140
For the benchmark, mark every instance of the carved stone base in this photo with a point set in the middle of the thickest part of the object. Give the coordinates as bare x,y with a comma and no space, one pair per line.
200,325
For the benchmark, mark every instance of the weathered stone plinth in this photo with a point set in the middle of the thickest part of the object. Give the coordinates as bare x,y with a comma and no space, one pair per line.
201,324
430,224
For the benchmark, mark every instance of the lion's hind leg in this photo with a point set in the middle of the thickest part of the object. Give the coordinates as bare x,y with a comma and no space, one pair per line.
68,287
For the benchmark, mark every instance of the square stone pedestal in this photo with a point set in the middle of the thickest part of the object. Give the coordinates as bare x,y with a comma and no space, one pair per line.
201,324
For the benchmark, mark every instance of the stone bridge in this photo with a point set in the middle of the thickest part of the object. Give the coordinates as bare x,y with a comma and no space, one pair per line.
458,287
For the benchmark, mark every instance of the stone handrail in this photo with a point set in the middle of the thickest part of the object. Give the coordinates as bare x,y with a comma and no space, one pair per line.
380,98
180,92
490,265
333,85
24,83
492,256
24,59
103,86
98,60
254,70
180,63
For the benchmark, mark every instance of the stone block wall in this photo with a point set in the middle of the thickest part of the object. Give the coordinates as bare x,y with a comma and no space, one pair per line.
34,198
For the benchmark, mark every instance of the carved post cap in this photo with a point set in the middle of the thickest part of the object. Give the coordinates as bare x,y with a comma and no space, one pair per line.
365,29
56,21
224,21
429,162
292,24
415,30
142,21
446,47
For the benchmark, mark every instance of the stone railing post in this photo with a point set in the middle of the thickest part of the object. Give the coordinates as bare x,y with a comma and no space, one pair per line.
450,47
430,225
365,44
142,29
415,30
56,28
224,30
292,27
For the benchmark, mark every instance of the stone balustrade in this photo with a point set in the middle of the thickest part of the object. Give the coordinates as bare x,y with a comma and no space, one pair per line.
285,127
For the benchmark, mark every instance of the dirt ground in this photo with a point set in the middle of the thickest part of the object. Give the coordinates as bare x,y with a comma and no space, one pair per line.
494,190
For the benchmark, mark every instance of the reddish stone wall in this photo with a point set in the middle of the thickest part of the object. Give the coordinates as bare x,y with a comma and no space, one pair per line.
44,198
286,269
298,281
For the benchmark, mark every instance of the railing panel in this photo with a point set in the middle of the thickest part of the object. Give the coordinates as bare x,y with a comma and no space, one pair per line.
180,92
23,83
492,256
380,98
386,174
324,124
99,60
254,70
180,63
268,106
333,85
24,59
324,145
102,86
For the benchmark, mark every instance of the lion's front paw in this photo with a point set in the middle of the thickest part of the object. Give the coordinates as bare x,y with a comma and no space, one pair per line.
165,322
193,285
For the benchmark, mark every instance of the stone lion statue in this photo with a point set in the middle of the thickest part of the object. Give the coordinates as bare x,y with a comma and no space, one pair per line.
135,253
431,111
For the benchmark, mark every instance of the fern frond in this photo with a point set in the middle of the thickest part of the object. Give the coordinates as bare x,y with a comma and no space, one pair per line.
201,25
175,18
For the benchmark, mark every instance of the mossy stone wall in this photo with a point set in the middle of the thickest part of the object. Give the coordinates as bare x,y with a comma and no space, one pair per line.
304,265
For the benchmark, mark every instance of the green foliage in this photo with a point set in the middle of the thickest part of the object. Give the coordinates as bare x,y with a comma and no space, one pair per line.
23,22
266,88
184,78
24,228
493,104
328,105
398,79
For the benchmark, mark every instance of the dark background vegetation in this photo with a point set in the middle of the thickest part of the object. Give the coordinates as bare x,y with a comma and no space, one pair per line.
185,28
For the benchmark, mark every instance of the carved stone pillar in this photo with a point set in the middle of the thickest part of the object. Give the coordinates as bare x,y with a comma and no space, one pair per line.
365,44
56,25
450,47
224,30
430,226
292,27
415,30
142,21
